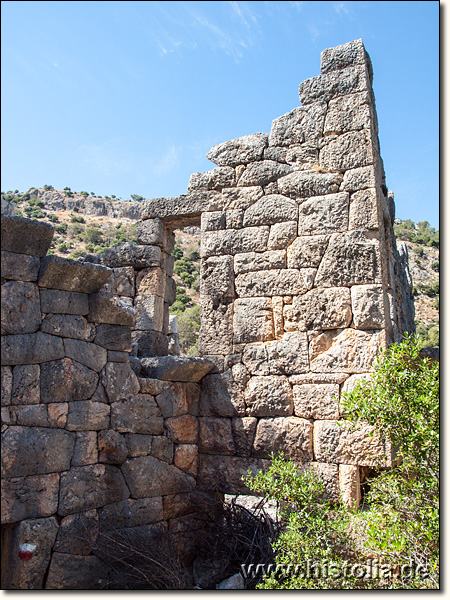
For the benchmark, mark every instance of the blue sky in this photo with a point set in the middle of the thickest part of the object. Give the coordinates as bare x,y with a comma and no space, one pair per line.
127,97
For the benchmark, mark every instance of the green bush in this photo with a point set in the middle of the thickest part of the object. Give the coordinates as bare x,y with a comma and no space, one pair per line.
76,219
188,329
61,228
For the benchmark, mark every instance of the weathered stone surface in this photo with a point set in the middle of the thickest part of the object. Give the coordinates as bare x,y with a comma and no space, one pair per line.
104,308
186,458
243,429
40,535
306,184
71,326
217,277
345,350
128,254
225,473
66,380
271,209
150,281
119,381
69,303
241,197
141,445
25,236
182,210
19,267
235,582
70,275
217,179
288,355
153,386
364,210
318,378
345,442
47,451
253,320
331,85
216,331
215,436
72,572
320,308
183,429
281,235
300,125
329,474
262,173
93,486
348,151
239,151
149,312
259,261
113,337
137,414
290,435
268,396
233,241
149,343
316,401
360,178
121,281
303,157
85,415
349,259
349,384
350,485
306,251
25,384
30,348
151,232
131,513
368,306
234,219
112,447
274,282
77,533
7,383
213,221
222,393
348,113
345,55
147,476
172,402
85,451
31,416
29,497
21,308
176,368
323,214
277,153
90,355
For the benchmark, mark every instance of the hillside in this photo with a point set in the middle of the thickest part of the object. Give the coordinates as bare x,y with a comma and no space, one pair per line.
86,223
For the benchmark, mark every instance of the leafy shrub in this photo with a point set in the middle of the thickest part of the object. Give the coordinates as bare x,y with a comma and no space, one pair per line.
76,219
188,329
435,266
61,228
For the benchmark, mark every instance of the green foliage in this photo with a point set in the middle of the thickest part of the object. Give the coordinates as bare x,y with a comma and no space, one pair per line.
419,251
422,233
85,194
63,248
61,228
52,218
48,188
188,330
430,289
177,253
76,219
93,235
34,212
428,335
136,197
435,266
77,253
186,268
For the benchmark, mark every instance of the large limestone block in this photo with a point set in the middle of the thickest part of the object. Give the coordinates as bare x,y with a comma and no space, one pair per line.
345,350
66,380
234,241
348,151
213,221
290,435
173,401
306,251
281,235
29,574
259,261
241,197
300,125
29,497
21,308
217,179
320,308
325,87
77,533
350,485
350,259
253,320
303,157
149,312
149,343
30,348
243,429
85,451
360,178
216,331
104,308
119,381
269,396
93,486
131,513
112,447
271,209
288,355
137,414
25,236
72,276
262,173
216,436
222,394
182,210
182,429
186,458
90,355
324,214
72,572
329,474
151,232
129,254
70,326
368,306
60,302
25,384
19,267
345,55
309,183
150,281
113,337
274,282
316,401
365,210
147,477
177,368
346,442
35,451
225,473
85,415
348,113
217,277
239,151
7,383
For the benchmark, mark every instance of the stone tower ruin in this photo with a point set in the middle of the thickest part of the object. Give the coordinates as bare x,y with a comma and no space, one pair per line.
302,286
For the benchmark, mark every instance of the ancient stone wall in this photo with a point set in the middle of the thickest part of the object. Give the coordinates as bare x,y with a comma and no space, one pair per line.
301,287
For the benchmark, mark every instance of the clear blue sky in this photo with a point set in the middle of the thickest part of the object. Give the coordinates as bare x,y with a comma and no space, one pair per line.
127,97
